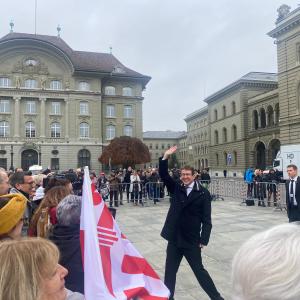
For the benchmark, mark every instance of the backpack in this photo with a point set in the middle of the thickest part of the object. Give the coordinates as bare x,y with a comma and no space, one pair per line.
43,224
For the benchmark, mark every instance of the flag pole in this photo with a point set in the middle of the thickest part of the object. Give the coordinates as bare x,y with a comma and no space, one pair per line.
35,9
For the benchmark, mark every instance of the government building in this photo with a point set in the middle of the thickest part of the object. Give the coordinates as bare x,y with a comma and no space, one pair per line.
245,123
60,107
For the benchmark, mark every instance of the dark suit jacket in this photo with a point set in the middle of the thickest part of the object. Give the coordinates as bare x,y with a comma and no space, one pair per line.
188,222
293,212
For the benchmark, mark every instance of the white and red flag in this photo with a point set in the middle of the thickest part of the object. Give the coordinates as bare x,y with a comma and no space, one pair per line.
113,268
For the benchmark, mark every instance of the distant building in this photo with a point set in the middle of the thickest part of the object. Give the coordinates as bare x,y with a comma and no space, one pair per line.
159,141
249,119
59,106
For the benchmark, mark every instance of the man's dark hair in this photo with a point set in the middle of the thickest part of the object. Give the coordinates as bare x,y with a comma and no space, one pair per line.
17,177
188,168
292,166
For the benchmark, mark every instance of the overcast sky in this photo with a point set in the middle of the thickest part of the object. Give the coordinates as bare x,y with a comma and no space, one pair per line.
190,48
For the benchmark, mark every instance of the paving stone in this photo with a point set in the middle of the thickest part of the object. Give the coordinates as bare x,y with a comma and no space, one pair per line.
232,225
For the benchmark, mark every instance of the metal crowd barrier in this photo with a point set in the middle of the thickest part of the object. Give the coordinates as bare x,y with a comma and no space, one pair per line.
138,193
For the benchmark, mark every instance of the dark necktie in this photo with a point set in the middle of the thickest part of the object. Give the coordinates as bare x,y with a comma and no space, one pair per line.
292,192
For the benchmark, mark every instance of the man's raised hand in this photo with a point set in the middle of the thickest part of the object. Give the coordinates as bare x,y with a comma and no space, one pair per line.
169,152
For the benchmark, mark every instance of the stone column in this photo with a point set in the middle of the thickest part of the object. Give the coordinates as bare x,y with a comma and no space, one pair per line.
267,120
43,117
17,117
275,117
259,120
66,118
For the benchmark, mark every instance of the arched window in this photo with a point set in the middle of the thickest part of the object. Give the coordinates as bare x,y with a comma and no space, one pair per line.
224,135
216,137
262,114
233,107
127,91
4,129
84,86
30,130
110,132
234,133
55,85
128,111
224,111
110,91
255,119
30,84
84,158
270,115
5,82
216,114
84,130
128,130
55,130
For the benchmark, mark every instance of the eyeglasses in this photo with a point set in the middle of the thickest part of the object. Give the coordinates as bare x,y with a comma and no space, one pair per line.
30,183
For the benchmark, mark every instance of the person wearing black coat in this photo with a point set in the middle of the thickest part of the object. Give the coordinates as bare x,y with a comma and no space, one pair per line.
187,227
293,194
66,236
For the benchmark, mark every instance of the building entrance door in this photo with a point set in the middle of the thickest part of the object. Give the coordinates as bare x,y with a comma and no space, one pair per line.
29,158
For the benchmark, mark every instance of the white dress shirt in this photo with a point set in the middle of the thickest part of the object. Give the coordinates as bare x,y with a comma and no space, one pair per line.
294,189
189,188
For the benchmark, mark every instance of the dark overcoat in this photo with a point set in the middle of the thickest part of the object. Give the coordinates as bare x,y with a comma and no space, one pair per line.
293,212
188,222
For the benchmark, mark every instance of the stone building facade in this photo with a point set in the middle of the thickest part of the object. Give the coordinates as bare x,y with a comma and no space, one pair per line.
159,141
60,107
198,138
249,119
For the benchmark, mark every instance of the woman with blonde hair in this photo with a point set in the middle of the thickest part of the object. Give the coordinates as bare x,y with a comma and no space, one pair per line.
47,210
30,271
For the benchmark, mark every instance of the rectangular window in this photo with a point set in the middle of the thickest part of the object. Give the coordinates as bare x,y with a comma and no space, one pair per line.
55,108
55,85
110,111
5,82
55,164
127,111
84,108
4,106
30,107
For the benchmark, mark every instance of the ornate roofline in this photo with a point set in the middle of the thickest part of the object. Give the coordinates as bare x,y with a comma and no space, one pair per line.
197,113
290,21
240,84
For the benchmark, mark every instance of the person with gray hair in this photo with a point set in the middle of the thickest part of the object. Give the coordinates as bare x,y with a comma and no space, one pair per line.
266,267
66,236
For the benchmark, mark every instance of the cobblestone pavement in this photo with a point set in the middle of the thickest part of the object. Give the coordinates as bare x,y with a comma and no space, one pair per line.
232,225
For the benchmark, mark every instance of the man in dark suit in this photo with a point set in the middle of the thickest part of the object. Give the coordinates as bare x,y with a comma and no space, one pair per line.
187,227
293,194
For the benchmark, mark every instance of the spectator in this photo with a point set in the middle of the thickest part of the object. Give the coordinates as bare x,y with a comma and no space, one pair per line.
266,267
114,185
12,208
127,181
154,185
39,190
135,187
259,187
4,185
45,215
248,177
102,186
65,235
54,181
30,271
22,183
272,187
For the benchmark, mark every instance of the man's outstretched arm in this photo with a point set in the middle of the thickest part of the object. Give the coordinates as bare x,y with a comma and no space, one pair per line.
163,169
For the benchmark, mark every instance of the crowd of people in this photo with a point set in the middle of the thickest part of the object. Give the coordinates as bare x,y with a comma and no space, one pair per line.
40,253
262,185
